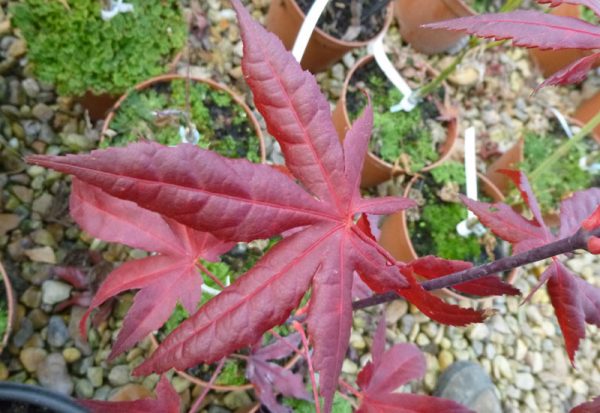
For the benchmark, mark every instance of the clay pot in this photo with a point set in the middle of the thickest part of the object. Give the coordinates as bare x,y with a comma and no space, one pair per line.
285,19
214,85
550,61
508,160
411,14
11,304
375,169
396,239
587,110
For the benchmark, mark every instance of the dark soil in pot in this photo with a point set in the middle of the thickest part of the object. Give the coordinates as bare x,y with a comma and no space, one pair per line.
576,171
410,140
350,20
432,226
159,113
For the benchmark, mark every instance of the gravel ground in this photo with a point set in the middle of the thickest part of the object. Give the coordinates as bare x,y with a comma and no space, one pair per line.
520,347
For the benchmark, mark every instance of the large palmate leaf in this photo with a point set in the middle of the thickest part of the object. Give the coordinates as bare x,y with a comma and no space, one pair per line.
235,200
588,407
536,29
166,278
391,369
167,401
575,301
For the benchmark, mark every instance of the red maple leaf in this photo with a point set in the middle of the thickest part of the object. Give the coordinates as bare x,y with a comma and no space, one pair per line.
270,379
588,407
239,201
167,401
575,301
536,29
391,369
165,278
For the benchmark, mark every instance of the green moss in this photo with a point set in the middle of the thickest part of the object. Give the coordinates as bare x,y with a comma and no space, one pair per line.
399,133
588,15
232,374
340,405
73,48
158,114
483,6
564,178
435,231
3,318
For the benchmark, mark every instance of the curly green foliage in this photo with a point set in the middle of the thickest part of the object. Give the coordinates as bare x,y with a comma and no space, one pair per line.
73,48
232,374
223,125
553,185
436,232
397,133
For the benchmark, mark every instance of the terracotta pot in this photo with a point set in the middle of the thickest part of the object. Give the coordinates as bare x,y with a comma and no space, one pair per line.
99,105
217,387
586,111
550,61
11,303
169,77
396,239
375,169
285,19
509,160
411,14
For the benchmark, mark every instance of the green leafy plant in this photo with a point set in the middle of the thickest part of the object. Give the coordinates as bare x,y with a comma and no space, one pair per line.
402,137
555,184
162,113
435,230
71,46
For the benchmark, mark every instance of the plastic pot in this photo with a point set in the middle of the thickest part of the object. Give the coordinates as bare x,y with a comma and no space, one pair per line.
396,239
11,304
285,19
586,111
508,160
35,399
375,169
550,61
214,85
411,14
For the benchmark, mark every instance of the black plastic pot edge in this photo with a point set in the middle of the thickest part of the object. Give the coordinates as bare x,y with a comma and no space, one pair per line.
39,396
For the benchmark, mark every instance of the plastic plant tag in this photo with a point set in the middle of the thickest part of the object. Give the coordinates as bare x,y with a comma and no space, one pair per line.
409,100
116,7
470,225
310,22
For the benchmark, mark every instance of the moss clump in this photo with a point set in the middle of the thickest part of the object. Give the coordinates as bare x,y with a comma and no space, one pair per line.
400,137
485,6
562,179
71,46
3,318
340,405
232,374
435,231
588,15
160,114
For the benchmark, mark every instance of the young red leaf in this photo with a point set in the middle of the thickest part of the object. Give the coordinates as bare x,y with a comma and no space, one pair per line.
529,29
167,401
164,278
397,366
575,302
238,201
573,73
577,208
587,407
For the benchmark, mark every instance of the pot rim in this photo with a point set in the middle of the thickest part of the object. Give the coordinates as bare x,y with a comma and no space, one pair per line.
389,16
11,303
174,76
446,147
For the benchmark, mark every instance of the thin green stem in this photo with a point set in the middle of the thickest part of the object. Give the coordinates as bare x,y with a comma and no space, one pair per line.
563,149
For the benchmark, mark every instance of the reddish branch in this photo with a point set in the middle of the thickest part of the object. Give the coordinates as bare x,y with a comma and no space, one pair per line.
578,240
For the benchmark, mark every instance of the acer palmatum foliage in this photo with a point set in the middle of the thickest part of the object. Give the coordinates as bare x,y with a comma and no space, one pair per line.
530,28
391,369
575,301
